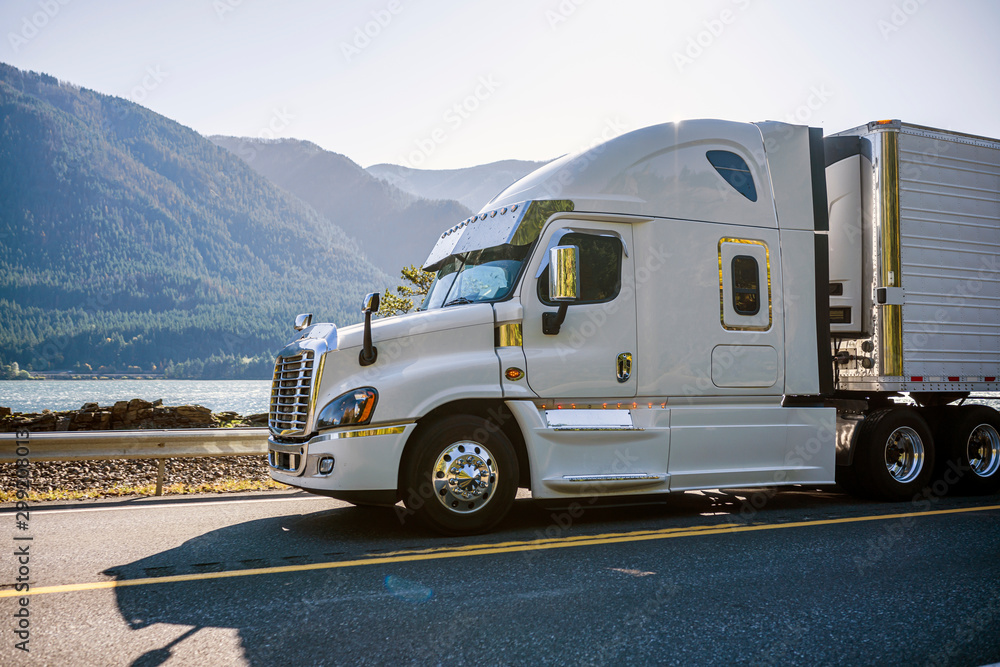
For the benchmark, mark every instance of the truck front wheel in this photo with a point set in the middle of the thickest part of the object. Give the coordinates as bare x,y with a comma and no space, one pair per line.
895,456
461,476
973,450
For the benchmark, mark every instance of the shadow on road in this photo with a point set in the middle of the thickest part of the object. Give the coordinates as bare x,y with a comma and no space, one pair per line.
274,613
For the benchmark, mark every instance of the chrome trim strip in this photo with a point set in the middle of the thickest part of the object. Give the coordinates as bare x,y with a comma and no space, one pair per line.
510,335
891,255
722,288
597,428
623,477
558,235
363,433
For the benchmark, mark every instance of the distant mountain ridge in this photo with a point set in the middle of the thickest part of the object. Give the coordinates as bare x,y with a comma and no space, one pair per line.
127,239
396,228
129,242
472,186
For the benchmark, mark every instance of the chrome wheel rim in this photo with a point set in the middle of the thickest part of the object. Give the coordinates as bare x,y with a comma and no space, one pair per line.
904,454
464,476
984,450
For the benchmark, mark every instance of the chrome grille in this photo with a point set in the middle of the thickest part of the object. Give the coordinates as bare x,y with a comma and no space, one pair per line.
290,394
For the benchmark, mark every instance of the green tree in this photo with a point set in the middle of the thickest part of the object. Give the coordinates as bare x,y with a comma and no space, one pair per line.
416,282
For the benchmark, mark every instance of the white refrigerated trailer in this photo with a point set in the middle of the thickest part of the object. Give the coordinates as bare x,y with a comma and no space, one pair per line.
693,305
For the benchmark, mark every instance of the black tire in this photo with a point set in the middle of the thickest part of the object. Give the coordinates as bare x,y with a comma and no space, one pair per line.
972,446
460,477
895,456
847,480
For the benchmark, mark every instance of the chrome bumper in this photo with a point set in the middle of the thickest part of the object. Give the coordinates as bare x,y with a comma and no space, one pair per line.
357,464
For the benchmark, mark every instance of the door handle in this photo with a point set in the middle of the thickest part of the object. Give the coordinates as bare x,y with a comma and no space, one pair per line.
624,366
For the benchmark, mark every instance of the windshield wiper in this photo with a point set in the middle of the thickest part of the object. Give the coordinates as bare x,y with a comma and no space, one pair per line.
455,302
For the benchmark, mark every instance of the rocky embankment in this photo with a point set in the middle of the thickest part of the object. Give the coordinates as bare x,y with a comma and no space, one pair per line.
124,415
97,478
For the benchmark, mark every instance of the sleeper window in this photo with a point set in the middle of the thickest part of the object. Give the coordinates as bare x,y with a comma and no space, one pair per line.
746,287
735,171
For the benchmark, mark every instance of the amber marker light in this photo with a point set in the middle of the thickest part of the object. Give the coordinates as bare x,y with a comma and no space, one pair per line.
514,374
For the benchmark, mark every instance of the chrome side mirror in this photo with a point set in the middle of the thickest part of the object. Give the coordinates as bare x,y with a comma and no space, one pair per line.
564,285
564,273
302,321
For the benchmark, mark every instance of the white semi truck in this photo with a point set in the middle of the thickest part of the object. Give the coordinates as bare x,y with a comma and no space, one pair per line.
695,305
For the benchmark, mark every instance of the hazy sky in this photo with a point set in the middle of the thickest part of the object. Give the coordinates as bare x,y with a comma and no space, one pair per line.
444,83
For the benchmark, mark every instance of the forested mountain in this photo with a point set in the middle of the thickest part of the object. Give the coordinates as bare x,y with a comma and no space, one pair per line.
395,228
127,239
473,186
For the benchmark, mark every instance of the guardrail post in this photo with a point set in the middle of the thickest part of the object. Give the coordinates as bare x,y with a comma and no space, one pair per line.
160,465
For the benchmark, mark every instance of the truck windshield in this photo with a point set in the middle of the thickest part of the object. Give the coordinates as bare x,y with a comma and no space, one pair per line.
477,276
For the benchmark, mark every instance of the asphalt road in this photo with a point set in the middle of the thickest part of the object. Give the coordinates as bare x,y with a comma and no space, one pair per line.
795,577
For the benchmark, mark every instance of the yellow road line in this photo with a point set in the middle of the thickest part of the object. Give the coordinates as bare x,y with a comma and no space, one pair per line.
486,549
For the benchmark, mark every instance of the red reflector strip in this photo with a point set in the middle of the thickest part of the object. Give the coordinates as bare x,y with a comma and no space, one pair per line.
992,378
952,379
917,378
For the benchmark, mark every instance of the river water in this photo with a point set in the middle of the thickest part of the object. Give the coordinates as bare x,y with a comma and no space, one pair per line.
245,397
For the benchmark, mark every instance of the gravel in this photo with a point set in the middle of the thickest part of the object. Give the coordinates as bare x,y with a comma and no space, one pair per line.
96,475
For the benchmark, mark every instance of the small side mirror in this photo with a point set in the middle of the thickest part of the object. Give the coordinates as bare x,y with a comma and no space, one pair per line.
302,321
564,273
369,353
371,303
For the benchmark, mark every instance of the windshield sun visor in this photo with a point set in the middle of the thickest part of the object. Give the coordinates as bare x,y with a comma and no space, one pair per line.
517,224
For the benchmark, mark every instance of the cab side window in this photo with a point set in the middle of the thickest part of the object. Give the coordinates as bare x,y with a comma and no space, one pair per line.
600,268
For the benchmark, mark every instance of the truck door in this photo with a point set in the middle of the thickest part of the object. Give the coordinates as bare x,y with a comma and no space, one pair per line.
594,353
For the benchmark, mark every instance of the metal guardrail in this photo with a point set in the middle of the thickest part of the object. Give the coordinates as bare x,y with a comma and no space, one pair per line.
142,444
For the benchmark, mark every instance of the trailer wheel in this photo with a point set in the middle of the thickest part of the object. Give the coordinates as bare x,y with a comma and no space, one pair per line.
895,456
460,477
973,450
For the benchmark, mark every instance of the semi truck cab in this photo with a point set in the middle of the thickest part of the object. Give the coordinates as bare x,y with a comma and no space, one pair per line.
651,315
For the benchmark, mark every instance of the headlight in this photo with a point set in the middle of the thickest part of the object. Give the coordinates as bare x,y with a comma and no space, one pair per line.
354,407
